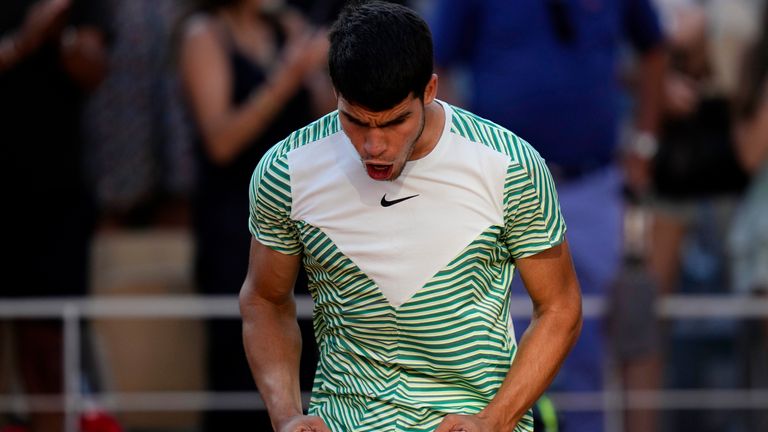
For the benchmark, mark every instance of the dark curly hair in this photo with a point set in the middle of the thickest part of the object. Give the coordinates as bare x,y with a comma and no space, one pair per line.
380,53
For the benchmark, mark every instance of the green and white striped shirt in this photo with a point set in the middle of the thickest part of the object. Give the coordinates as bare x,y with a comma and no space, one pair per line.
411,300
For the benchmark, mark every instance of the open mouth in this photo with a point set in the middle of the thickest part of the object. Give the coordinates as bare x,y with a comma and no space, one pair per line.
378,171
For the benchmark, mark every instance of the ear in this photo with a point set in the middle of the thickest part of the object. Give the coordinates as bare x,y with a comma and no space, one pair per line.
430,91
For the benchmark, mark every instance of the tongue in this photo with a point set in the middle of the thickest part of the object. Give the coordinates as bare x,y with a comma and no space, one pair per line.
379,172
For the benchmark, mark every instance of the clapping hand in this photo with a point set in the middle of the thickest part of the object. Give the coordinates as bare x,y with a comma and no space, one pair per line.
44,20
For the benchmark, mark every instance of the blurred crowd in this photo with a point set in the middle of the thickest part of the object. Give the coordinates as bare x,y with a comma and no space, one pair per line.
121,118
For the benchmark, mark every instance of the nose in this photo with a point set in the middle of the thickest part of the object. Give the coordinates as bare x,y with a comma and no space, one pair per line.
375,144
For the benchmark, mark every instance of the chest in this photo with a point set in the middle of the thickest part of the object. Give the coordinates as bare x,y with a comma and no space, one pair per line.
401,233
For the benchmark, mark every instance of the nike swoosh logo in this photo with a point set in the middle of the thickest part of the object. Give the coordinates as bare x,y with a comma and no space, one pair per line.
385,203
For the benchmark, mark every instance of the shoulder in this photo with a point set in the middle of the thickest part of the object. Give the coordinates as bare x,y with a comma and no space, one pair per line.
322,128
201,31
202,50
521,155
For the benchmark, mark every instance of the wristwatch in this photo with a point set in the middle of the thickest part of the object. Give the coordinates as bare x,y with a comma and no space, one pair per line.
643,144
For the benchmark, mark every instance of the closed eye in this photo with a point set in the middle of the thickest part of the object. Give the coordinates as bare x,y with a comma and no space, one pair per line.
395,122
354,120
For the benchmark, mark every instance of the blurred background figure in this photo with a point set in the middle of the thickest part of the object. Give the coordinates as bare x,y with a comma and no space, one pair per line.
140,163
697,183
749,236
139,154
52,54
748,239
548,71
252,72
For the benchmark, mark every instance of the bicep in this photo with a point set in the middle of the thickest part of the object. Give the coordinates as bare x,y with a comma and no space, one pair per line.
205,74
549,278
271,275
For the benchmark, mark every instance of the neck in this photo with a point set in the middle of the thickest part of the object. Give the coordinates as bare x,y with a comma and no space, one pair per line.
434,122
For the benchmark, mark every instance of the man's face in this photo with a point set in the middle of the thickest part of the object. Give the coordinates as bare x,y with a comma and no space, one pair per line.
384,140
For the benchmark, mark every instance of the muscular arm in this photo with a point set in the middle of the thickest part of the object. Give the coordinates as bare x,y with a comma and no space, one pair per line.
551,282
271,334
272,338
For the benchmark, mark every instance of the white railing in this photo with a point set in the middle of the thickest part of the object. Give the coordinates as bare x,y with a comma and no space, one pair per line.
73,311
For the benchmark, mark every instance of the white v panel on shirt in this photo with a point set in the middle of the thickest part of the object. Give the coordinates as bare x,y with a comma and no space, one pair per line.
453,195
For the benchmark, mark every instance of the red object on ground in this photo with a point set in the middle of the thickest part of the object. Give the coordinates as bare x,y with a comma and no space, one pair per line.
14,428
98,421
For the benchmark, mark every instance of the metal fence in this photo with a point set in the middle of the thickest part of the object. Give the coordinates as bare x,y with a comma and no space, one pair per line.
611,400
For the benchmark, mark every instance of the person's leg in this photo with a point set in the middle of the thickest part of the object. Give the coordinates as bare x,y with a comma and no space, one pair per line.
57,264
6,368
39,351
761,378
757,375
667,232
645,372
639,374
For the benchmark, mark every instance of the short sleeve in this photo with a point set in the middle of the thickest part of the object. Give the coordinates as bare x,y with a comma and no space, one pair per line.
270,205
532,218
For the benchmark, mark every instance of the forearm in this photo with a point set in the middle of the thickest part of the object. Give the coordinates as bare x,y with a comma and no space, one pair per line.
650,90
752,138
16,46
272,341
43,22
542,349
83,55
245,123
639,147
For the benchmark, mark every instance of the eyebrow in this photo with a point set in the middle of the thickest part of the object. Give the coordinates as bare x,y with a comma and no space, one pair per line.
397,120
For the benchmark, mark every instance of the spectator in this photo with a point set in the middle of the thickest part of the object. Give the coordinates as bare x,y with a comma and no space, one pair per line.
139,149
548,70
695,134
692,208
52,54
251,76
751,137
748,239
